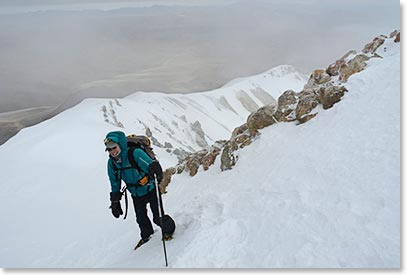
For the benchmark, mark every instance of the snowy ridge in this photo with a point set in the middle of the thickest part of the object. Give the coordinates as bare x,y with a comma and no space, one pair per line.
190,122
321,194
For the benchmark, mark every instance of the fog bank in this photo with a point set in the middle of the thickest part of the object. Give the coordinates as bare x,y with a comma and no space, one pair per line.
61,56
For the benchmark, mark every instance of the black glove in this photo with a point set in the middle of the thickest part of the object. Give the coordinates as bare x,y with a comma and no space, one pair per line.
155,169
115,198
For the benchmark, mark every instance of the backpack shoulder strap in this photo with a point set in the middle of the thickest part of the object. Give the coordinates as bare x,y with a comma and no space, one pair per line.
132,160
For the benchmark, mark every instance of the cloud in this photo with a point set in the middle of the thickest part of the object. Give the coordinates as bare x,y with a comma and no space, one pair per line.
48,57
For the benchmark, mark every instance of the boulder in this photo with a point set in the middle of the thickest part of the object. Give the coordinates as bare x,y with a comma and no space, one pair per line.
180,168
319,76
355,65
397,39
261,118
287,103
192,165
210,157
331,95
228,159
333,69
308,100
166,179
394,33
372,46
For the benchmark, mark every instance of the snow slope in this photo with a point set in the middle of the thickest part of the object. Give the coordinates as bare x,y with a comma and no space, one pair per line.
321,194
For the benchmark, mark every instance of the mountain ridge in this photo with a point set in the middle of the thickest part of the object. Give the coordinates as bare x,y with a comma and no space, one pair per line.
324,87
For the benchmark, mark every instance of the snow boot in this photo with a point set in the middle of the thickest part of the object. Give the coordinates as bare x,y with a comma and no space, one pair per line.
141,242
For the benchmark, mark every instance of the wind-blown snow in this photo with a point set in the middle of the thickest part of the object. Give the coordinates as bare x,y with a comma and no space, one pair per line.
322,194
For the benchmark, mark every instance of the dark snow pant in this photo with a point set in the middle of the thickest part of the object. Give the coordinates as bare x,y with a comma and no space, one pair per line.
140,206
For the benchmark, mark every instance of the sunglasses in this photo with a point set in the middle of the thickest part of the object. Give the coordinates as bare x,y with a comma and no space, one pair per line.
110,149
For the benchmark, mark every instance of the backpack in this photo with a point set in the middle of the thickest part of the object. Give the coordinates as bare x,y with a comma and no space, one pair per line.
133,142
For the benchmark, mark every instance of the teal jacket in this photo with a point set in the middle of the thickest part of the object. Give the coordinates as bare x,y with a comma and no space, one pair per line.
125,171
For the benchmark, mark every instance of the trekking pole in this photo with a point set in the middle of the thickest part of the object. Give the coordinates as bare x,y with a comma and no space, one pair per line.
161,214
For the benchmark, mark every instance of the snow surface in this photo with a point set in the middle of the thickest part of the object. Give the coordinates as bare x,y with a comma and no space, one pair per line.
325,194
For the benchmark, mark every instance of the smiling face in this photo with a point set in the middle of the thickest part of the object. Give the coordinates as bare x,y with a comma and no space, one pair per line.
115,151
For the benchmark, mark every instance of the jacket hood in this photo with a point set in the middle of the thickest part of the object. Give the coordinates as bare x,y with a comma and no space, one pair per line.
119,138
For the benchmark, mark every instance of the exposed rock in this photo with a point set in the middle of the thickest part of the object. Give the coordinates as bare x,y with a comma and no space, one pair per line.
241,137
180,168
397,39
228,159
242,140
263,117
308,100
319,76
393,33
333,69
192,164
200,134
204,157
355,65
168,145
166,179
239,130
148,132
155,142
331,95
183,118
181,154
372,46
286,106
210,158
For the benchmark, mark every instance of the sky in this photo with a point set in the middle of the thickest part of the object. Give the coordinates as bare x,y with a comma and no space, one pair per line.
66,54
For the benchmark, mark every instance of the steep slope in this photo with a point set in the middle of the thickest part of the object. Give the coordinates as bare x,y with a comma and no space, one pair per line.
321,194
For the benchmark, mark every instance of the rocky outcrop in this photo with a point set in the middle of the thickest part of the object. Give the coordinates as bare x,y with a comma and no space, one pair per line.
372,46
319,76
261,118
241,138
308,100
331,95
333,69
286,107
395,34
397,39
167,174
324,87
205,157
355,65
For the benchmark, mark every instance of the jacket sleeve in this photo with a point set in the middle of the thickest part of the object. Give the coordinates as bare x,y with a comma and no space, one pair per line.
115,183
